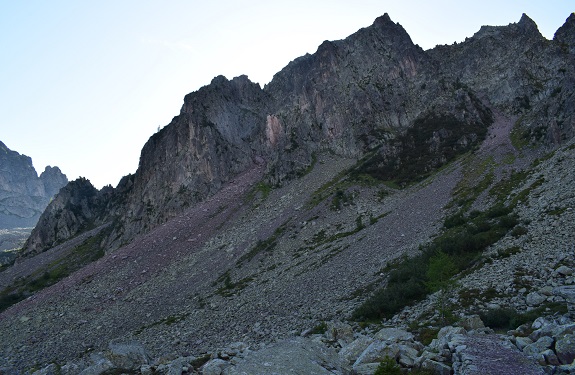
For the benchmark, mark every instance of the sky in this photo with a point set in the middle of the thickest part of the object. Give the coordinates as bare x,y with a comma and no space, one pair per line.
84,84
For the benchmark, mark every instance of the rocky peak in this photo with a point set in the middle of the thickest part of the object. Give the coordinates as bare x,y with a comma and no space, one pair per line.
526,28
24,195
527,25
53,180
566,33
76,208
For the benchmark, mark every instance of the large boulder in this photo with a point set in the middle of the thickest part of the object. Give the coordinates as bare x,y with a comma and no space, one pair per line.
565,349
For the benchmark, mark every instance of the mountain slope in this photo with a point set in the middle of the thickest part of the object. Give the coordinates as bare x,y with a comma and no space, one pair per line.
258,212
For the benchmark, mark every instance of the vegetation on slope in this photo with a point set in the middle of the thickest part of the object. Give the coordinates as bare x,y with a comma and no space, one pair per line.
51,273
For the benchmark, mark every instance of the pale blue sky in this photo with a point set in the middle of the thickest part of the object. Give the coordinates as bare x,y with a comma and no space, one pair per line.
84,84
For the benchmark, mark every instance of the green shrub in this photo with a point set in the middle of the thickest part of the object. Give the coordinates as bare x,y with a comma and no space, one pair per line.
458,248
454,220
519,231
388,367
499,318
320,329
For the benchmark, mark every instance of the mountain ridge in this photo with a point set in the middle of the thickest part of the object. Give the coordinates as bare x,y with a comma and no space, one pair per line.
348,160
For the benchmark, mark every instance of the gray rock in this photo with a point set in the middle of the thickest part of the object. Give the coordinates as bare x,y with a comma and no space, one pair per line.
127,356
522,342
215,367
538,346
351,352
178,365
376,352
393,335
550,357
472,322
407,355
563,329
294,356
339,332
436,367
100,366
565,349
51,369
534,299
568,293
564,271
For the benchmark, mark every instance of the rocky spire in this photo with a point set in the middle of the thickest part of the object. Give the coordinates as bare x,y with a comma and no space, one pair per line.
566,33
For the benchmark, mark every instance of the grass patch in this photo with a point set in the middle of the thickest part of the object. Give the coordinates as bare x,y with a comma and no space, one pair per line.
319,329
519,138
80,256
506,253
556,211
169,320
231,288
261,190
321,237
266,245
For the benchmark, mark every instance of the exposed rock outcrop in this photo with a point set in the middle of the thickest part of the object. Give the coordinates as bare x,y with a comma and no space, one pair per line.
353,96
24,195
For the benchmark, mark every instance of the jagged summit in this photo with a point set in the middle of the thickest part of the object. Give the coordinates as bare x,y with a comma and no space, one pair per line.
527,24
525,28
24,194
566,33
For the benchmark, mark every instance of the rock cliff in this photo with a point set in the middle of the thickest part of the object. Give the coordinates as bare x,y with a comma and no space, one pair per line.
24,195
366,94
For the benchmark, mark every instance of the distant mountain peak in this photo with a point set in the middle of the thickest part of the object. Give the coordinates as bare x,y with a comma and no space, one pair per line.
23,194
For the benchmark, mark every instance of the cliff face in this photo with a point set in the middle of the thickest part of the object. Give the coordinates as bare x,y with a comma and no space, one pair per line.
24,195
372,94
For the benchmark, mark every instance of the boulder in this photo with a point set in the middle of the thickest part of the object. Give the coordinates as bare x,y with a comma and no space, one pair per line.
565,349
351,352
538,346
407,355
550,358
51,369
215,367
376,352
99,367
339,332
472,322
127,356
393,335
568,293
564,270
293,356
436,367
522,342
534,299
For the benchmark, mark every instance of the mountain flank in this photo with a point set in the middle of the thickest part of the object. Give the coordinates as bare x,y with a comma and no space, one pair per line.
23,197
370,186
